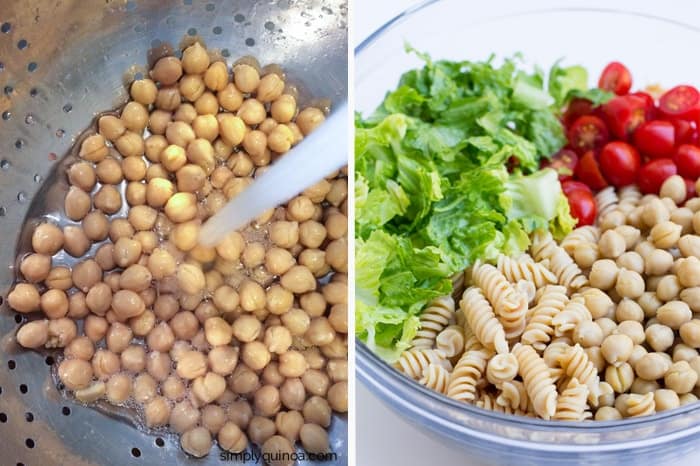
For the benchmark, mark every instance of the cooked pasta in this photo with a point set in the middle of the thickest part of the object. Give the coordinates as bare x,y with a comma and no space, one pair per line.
570,317
414,361
480,317
527,289
435,377
629,196
489,401
509,305
525,268
438,315
571,403
514,395
501,368
467,374
640,405
562,265
575,363
606,201
471,342
540,386
554,350
584,234
540,328
451,341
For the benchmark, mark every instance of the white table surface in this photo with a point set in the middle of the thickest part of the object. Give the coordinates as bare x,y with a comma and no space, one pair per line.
382,437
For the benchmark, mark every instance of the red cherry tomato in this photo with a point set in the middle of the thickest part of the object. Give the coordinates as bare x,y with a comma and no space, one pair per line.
570,186
653,174
563,162
620,163
582,206
655,138
588,171
615,78
681,102
588,132
686,132
624,114
649,105
687,160
689,189
576,108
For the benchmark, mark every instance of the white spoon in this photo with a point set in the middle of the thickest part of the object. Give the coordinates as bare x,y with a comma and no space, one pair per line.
318,155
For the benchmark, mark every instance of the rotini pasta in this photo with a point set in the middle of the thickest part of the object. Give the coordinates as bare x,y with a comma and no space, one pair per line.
571,316
575,363
438,315
525,268
435,377
562,265
554,350
527,289
509,305
467,374
540,387
640,405
629,196
540,327
501,368
489,401
480,317
571,403
584,234
471,342
514,395
450,341
414,361
606,201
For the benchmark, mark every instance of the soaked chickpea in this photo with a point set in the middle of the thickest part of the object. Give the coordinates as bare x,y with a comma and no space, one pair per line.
255,355
207,104
144,388
292,364
118,388
167,70
181,207
252,296
130,144
110,127
75,373
105,364
93,148
59,277
33,334
95,327
283,108
86,274
298,279
127,304
278,260
267,400
192,87
107,199
77,203
47,239
35,267
135,116
317,410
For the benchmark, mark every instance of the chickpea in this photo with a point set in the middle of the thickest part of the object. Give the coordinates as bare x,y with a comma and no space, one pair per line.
252,296
185,325
78,348
674,188
243,380
133,358
255,355
690,333
338,318
158,122
135,116
230,98
680,377
196,442
105,364
674,314
298,279
267,400
292,364
283,108
278,260
35,267
246,328
144,388
77,203
280,139
652,366
659,337
47,239
86,274
689,272
309,119
154,145
296,321
135,278
33,334
658,262
207,104
314,438
668,288
312,234
95,327
59,277
246,78
655,212
190,278
629,284
118,388
108,200
135,191
167,70
252,112
191,87
278,339
191,365
190,178
279,300
93,148
316,410
181,207
110,127
131,144
75,373
127,304
201,152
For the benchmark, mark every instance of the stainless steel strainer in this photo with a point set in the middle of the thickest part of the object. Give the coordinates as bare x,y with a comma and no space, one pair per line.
62,62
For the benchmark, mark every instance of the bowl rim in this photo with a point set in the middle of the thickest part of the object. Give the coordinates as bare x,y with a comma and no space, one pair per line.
384,380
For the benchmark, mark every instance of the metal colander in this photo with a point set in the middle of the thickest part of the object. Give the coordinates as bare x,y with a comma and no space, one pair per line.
61,63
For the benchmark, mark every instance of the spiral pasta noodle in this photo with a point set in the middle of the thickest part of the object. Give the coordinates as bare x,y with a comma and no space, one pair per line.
540,328
480,317
471,342
450,341
509,305
570,317
584,234
629,197
640,405
467,374
562,265
576,364
489,401
438,315
525,268
514,395
435,377
606,201
414,361
571,404
539,384
502,368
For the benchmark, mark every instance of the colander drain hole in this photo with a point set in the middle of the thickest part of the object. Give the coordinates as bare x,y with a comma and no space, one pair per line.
29,417
135,452
11,364
3,418
5,28
29,443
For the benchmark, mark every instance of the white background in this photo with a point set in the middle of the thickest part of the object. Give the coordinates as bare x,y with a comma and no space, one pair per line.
383,438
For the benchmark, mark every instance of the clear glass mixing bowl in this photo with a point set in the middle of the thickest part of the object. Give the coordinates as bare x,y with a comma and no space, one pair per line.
654,48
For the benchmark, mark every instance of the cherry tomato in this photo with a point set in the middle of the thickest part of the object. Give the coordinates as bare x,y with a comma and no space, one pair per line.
687,160
588,132
624,114
576,108
620,163
655,138
681,102
649,105
582,206
686,132
563,162
570,186
653,174
588,171
689,189
615,78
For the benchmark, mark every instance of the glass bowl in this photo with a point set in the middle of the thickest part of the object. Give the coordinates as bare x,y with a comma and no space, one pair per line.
652,47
